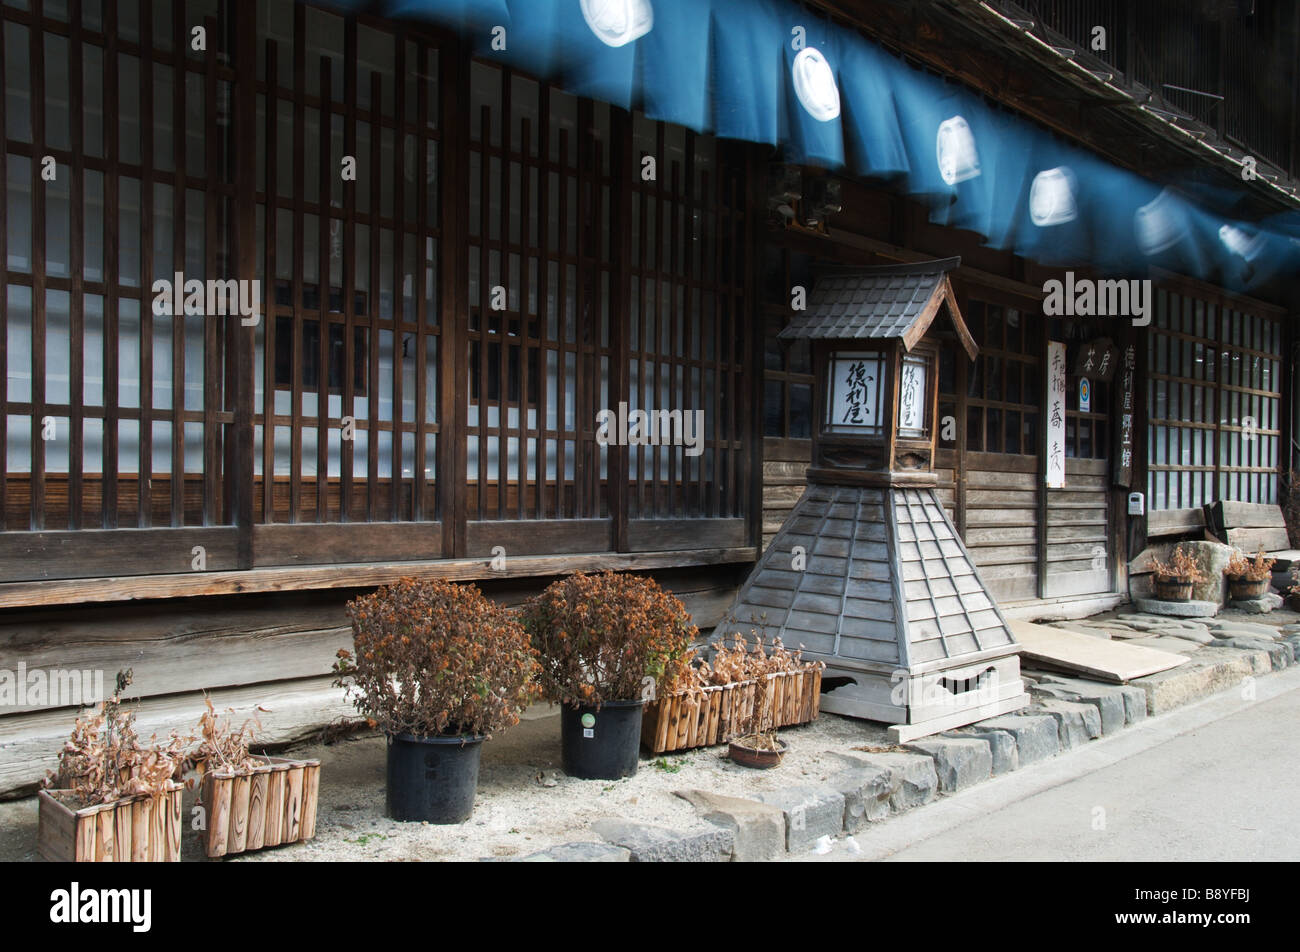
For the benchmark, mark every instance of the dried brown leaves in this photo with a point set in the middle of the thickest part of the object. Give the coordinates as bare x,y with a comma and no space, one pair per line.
104,759
432,658
600,637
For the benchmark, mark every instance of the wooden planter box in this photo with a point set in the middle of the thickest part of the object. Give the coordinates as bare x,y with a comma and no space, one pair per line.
137,829
268,805
713,715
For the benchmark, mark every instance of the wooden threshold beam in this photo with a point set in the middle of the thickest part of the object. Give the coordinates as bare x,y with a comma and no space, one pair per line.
355,575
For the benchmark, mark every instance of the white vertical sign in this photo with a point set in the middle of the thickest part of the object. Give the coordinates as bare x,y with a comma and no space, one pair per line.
1055,414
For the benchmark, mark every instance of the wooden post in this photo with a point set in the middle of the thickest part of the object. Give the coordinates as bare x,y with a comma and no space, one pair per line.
242,337
453,270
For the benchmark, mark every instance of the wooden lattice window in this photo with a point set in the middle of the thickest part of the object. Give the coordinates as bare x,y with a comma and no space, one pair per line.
1213,398
1003,384
113,415
345,408
540,285
687,345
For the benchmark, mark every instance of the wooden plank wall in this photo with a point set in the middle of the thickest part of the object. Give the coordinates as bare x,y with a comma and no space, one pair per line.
784,464
1001,519
1078,531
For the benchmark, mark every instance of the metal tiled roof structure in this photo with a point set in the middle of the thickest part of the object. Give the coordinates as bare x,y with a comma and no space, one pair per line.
881,303
885,581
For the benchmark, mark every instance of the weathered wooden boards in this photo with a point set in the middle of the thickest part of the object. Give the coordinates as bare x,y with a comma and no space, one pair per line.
713,715
1248,526
269,805
1096,657
131,830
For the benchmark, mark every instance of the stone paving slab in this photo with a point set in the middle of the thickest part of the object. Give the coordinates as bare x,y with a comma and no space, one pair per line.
1188,609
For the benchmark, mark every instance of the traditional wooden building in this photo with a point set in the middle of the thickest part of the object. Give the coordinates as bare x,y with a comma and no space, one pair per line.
462,231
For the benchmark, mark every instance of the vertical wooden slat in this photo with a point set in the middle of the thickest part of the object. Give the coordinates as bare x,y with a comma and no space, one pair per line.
372,388
399,242
112,412
36,40
669,316
213,391
347,447
503,317
270,341
322,296
662,269
144,484
525,338
544,284
642,266
753,349
582,318
299,165
484,299
76,260
245,336
180,40
736,247
625,170
561,306
453,269
418,487
714,508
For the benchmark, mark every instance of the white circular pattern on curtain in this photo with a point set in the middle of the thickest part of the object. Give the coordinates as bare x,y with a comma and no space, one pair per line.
814,84
1051,197
618,22
955,150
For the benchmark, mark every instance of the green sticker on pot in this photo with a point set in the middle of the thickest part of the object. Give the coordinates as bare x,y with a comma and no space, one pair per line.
589,720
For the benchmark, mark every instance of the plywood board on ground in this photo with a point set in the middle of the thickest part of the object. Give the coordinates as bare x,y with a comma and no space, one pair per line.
1098,658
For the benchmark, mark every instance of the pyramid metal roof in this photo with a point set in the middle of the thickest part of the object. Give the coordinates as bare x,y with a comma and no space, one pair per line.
886,582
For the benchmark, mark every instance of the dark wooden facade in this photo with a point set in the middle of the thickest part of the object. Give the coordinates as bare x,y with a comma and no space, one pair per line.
498,271
439,328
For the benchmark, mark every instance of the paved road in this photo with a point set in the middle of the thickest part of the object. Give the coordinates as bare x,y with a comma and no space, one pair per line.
1214,781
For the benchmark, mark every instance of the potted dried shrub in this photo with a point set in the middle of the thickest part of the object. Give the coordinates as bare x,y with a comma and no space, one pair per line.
252,801
1249,578
756,744
712,702
438,667
1174,579
114,797
606,641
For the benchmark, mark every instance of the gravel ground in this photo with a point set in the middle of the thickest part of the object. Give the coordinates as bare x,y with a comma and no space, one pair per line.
525,802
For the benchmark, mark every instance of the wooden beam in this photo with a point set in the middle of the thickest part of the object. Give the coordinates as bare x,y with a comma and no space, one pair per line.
353,575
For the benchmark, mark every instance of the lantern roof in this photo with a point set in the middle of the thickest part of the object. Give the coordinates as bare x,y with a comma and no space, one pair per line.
886,302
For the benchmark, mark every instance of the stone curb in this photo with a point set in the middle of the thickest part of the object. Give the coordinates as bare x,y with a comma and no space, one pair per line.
1065,713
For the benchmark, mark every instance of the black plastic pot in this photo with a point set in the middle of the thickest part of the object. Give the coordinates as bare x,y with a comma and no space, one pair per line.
601,744
432,778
